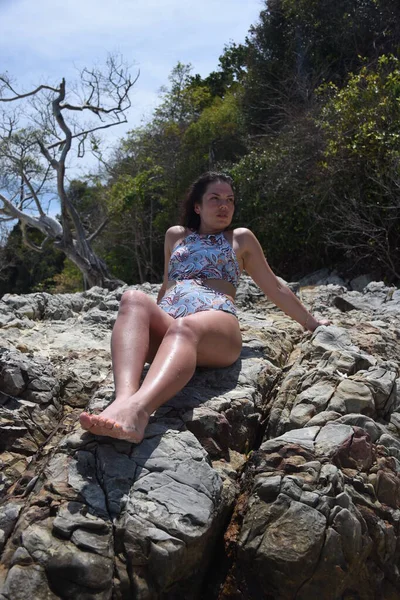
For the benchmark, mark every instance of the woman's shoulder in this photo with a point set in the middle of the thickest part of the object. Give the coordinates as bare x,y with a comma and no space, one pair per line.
242,231
176,229
176,232
242,234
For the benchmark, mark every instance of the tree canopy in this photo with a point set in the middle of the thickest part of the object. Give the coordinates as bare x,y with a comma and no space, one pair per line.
304,115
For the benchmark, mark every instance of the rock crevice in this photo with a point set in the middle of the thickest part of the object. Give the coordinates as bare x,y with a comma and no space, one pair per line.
292,456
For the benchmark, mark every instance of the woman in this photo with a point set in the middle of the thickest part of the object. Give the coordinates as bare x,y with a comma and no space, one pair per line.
194,321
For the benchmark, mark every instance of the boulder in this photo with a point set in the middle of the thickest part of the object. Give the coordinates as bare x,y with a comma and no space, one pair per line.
277,477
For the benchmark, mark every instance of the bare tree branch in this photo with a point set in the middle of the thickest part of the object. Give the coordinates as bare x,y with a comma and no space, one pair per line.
34,195
99,229
19,96
86,133
47,225
52,161
27,241
32,152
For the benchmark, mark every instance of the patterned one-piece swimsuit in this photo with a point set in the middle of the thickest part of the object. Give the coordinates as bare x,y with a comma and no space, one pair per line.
194,260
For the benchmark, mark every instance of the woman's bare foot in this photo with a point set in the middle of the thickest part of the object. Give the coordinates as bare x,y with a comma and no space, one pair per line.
123,420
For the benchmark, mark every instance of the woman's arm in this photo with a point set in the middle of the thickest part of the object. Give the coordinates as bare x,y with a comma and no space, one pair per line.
255,264
167,256
172,237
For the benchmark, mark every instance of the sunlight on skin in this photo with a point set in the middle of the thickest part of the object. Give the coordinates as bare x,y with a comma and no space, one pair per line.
101,425
211,337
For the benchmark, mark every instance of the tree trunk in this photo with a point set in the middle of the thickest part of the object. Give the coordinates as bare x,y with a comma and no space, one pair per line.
94,269
112,92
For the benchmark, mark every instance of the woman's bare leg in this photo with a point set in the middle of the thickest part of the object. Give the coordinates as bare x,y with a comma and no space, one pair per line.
209,338
137,333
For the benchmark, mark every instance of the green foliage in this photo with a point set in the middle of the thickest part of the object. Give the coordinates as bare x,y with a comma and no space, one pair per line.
232,70
137,226
216,137
361,121
181,102
305,115
288,194
299,44
90,202
69,281
277,200
26,270
361,162
159,161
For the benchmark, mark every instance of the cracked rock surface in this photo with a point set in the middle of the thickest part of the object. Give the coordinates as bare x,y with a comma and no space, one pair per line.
277,477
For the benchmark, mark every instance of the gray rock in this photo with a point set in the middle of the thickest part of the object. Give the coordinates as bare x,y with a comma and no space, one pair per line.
373,428
375,297
359,283
301,414
267,488
331,437
353,397
318,394
303,437
322,277
381,382
317,514
8,517
294,535
72,516
27,581
65,564
323,418
350,531
82,477
333,339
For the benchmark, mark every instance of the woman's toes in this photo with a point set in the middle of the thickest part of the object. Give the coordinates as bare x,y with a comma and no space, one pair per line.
97,421
92,420
131,430
86,420
100,422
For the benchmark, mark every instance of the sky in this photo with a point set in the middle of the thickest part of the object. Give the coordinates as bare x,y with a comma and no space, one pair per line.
44,40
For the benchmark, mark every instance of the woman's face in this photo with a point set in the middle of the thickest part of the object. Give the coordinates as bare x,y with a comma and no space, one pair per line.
217,207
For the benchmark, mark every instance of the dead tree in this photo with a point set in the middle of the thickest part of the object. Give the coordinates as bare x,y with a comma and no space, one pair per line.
36,142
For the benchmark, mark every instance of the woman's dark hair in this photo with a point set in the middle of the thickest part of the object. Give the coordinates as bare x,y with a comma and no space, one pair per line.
189,218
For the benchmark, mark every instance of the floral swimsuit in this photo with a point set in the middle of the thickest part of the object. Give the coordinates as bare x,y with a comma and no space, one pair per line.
194,260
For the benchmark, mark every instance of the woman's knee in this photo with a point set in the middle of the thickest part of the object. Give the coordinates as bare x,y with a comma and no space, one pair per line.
134,298
184,328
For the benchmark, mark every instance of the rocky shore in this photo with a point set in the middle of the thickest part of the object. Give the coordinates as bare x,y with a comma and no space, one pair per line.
276,478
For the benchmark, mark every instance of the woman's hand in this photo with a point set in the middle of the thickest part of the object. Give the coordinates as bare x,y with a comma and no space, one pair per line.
312,323
324,322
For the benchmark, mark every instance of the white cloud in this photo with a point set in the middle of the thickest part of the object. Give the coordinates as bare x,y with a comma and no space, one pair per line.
52,33
49,39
